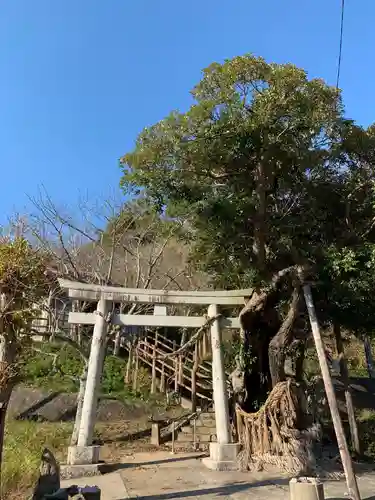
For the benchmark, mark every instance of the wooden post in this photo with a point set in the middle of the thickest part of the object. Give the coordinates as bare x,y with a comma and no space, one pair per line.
73,328
348,394
94,370
129,362
146,345
155,433
136,369
153,379
181,360
173,437
176,368
162,378
117,343
194,380
180,369
351,480
369,358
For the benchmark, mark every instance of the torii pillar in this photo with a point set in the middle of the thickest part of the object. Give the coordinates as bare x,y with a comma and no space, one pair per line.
223,453
85,452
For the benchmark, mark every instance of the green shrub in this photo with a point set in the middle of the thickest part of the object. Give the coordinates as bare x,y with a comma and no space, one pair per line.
366,429
113,375
53,366
58,367
23,446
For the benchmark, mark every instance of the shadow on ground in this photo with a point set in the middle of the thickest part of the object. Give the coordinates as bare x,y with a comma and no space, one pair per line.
347,498
224,490
126,438
29,413
107,468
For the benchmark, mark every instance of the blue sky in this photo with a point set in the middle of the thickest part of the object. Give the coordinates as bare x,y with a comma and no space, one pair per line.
80,78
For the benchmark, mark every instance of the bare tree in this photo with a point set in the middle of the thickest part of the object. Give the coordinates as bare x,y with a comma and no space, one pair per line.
106,243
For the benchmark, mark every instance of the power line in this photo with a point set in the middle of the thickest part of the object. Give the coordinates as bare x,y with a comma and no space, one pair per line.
340,45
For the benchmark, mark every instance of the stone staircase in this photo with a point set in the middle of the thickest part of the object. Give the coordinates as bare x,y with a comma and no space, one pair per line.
176,373
197,434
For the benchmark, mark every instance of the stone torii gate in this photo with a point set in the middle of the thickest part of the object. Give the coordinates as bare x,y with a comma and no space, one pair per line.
223,453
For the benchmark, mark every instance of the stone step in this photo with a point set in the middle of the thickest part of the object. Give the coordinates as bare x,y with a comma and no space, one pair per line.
207,414
199,430
188,446
188,437
206,422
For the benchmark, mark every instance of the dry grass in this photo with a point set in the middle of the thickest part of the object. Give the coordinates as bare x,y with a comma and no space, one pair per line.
24,443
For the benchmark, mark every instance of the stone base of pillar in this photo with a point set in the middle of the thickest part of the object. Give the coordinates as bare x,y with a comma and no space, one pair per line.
83,455
222,456
306,488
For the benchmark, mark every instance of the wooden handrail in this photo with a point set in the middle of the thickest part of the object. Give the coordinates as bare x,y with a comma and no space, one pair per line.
149,362
169,363
196,380
148,359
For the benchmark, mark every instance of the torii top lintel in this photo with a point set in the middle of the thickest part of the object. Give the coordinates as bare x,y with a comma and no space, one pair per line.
89,292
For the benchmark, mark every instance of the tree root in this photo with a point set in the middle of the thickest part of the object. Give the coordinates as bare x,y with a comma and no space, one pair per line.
272,435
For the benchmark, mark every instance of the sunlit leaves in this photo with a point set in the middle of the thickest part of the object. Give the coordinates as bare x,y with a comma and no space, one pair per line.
314,201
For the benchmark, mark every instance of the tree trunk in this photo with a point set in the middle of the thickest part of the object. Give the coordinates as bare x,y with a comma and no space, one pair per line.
257,376
117,343
7,358
348,395
282,339
3,411
81,395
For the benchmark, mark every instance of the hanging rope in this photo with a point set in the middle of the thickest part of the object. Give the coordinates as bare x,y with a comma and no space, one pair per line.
195,338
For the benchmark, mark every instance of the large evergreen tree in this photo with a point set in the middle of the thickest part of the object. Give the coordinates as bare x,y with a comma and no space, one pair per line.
269,175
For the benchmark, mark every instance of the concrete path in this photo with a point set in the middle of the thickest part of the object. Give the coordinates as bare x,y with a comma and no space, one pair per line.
111,485
162,476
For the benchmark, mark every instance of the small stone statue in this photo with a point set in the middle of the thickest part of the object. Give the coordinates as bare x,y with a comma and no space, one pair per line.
49,478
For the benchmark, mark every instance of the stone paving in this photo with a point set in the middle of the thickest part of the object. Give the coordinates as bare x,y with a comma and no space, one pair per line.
162,476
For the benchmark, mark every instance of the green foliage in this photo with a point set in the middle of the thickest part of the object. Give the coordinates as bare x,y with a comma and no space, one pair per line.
55,366
58,367
20,266
204,164
366,428
267,172
234,349
113,375
348,287
22,282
